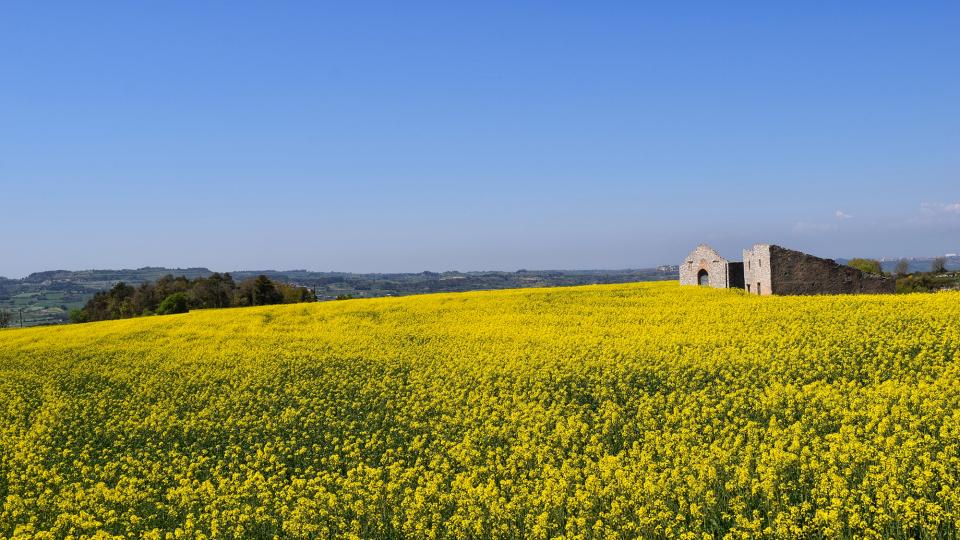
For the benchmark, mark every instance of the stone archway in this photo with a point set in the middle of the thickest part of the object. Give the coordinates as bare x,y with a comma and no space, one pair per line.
703,278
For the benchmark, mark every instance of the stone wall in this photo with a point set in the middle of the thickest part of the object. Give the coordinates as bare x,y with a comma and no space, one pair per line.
770,269
756,269
794,272
706,258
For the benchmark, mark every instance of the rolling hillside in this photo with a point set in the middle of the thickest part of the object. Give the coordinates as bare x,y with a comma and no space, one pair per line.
611,411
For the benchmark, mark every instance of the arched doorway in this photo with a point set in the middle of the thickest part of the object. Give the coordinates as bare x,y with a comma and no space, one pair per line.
703,278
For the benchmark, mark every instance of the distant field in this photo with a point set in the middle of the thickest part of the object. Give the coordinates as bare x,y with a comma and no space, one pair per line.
47,297
40,308
613,411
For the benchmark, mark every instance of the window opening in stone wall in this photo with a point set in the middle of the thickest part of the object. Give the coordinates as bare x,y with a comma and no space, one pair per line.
748,287
758,287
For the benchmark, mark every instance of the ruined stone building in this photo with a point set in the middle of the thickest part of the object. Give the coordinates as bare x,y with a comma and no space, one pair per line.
771,269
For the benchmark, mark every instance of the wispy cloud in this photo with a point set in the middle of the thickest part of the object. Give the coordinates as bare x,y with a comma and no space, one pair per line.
820,227
940,208
937,214
806,227
929,215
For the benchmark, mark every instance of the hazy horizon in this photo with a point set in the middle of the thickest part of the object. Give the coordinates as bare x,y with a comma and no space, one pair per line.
729,255
404,138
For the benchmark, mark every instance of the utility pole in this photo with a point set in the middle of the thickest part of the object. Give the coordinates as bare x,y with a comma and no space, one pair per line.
21,317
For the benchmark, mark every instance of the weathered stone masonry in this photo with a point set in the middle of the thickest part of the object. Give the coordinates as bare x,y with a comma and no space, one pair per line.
756,269
704,266
771,269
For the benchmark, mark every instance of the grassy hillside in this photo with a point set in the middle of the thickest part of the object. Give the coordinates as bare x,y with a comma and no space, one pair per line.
609,411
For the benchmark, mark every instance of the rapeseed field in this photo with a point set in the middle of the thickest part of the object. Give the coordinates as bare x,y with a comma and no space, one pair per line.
621,411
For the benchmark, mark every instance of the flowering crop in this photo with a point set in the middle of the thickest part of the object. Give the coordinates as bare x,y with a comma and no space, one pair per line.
621,411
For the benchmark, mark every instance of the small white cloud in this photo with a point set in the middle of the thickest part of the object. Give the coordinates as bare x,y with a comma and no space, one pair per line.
931,209
940,208
821,227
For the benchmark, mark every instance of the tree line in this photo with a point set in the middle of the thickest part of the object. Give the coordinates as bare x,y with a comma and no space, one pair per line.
178,295
936,279
872,266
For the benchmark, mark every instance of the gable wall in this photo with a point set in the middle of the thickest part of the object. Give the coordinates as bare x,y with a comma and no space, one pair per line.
704,258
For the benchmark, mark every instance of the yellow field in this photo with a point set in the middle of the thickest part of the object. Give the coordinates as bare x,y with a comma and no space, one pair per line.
591,412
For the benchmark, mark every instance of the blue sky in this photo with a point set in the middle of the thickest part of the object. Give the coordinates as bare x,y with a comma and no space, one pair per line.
411,136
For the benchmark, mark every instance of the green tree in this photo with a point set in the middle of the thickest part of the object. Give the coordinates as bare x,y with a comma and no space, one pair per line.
121,301
168,285
215,291
939,265
870,266
293,294
175,303
903,267
5,317
265,292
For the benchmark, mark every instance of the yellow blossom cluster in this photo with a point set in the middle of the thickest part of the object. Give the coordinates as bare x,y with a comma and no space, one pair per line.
616,411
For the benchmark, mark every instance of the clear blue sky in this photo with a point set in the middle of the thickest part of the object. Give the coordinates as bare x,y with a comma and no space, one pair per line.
411,136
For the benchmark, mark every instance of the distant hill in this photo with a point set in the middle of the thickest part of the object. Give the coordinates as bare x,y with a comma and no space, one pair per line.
47,297
917,264
140,275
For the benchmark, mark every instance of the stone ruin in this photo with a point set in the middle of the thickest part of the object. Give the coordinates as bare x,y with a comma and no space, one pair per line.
771,269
